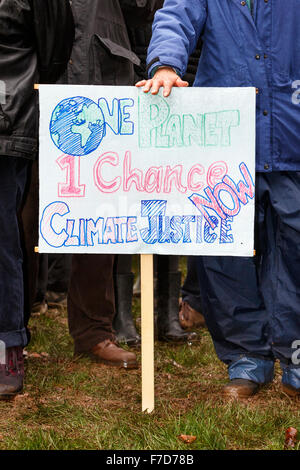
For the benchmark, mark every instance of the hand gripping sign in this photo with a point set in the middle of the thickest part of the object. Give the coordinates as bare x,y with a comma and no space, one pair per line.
122,171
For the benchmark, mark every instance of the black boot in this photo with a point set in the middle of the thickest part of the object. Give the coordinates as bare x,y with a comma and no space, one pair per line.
123,322
168,326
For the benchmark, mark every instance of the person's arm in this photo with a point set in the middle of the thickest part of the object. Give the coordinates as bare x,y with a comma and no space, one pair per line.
54,36
176,30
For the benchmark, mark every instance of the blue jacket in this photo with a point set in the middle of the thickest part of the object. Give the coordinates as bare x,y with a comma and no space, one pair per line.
240,50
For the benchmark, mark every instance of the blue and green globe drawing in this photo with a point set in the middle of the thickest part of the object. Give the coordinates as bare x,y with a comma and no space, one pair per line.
77,126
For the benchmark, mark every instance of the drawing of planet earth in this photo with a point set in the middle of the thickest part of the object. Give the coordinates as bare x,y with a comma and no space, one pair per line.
77,126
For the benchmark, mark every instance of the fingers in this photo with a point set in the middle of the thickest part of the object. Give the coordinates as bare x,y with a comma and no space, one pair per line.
167,88
140,83
157,83
167,83
181,83
151,84
147,86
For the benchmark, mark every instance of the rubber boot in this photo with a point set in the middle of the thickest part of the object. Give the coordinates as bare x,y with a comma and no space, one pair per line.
168,326
123,323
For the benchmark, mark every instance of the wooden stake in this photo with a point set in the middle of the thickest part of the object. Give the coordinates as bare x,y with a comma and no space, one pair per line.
147,309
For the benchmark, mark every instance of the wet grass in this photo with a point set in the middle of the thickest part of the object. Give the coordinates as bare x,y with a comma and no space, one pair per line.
75,404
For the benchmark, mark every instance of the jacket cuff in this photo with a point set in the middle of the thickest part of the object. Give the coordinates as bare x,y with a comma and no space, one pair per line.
157,62
155,69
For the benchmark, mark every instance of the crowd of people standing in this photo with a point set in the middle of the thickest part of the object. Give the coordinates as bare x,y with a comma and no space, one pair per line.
105,42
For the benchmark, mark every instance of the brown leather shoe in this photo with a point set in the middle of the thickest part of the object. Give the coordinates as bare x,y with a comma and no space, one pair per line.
240,388
107,352
190,318
291,391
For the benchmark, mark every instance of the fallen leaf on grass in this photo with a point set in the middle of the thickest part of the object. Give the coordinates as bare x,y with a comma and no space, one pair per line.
174,363
62,321
177,365
21,397
290,437
187,439
34,354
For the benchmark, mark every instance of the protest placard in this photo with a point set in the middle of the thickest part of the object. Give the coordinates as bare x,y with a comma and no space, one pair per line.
122,171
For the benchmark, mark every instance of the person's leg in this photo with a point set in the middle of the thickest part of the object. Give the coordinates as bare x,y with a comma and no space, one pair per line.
40,305
13,174
91,306
234,307
281,276
237,319
29,236
91,309
59,272
123,283
189,314
190,289
42,277
168,291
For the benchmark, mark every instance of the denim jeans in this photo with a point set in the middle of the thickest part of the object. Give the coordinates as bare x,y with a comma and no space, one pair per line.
13,175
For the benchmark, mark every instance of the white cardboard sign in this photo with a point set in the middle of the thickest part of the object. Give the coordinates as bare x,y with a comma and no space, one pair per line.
122,171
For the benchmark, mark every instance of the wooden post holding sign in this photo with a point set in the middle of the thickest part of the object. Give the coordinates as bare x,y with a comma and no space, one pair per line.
125,172
147,312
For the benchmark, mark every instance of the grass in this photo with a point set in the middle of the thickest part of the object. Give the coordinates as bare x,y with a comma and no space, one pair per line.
75,404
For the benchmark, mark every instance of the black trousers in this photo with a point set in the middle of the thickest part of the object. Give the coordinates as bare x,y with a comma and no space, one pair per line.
191,289
29,222
13,176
